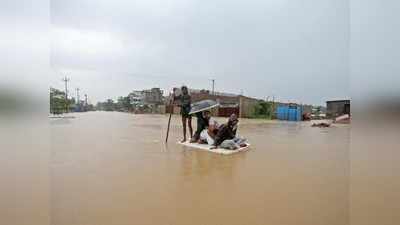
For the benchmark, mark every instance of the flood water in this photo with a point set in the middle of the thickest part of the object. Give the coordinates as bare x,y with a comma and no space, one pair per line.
110,168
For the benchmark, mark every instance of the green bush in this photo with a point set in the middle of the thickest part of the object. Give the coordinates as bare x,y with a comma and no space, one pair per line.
263,109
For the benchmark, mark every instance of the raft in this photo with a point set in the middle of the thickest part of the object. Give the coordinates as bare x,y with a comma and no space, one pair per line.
206,147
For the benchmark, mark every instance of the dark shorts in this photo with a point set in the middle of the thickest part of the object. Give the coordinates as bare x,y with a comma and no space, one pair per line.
185,112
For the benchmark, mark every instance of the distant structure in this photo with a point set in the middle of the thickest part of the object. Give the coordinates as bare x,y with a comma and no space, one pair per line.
221,97
153,96
229,103
336,108
290,112
136,98
318,112
146,101
144,97
243,106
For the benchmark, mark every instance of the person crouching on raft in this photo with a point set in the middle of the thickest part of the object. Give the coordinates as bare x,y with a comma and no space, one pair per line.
203,119
226,135
209,130
185,104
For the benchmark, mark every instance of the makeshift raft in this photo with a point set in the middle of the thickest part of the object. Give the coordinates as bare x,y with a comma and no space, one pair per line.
206,147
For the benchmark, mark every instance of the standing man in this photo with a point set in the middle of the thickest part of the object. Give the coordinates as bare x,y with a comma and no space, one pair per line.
185,102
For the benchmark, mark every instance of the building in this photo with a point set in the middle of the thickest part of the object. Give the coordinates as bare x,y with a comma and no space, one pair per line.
222,98
225,110
153,96
147,101
136,98
229,103
336,108
146,97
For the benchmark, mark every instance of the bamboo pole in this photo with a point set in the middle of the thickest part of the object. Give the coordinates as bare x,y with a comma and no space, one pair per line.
170,115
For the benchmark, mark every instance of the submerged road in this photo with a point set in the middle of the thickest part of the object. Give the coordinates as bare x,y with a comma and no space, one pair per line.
110,168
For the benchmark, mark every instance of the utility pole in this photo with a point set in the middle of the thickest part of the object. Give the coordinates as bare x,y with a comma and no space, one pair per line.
66,80
273,105
213,86
77,96
77,102
270,107
86,104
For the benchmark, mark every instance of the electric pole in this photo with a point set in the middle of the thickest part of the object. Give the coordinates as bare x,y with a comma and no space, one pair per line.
77,96
66,80
213,86
273,106
86,104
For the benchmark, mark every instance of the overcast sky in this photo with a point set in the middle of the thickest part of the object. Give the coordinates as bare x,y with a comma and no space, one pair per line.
295,50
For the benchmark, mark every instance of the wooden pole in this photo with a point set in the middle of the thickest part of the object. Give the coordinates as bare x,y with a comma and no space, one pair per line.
169,122
170,115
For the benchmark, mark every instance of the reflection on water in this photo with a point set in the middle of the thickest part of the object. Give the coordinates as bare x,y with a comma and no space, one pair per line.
114,168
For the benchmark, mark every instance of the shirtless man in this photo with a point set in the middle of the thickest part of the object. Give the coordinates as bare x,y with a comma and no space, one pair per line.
185,102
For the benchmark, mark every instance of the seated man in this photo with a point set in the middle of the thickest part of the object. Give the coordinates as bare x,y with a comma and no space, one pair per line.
207,135
226,135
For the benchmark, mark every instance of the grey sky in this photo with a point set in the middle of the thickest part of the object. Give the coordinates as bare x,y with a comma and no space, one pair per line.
295,50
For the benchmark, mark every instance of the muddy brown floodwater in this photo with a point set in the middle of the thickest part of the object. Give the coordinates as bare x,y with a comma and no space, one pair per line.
110,168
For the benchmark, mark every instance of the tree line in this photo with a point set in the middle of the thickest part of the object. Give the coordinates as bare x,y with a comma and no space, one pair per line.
60,104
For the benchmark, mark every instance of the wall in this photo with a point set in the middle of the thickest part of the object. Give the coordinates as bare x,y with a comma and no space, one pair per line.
246,106
203,95
227,111
245,110
289,112
162,109
337,108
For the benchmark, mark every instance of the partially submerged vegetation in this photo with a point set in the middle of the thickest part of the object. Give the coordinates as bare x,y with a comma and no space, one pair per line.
263,110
